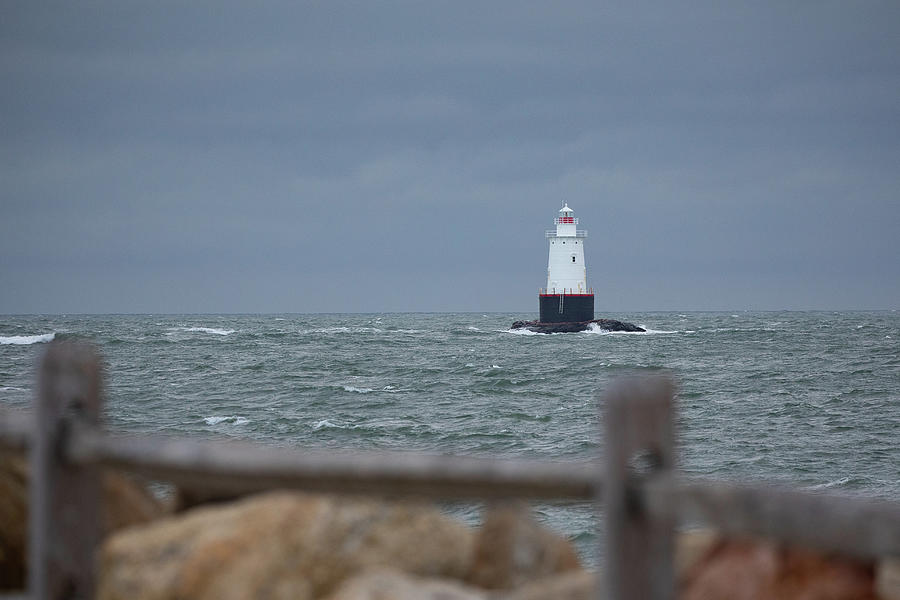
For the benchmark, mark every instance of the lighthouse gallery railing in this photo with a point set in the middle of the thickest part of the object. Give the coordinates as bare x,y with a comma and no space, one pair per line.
580,233
642,507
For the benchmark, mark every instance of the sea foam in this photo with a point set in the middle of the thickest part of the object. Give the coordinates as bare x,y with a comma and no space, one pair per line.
350,388
212,330
521,331
326,424
231,420
596,329
24,340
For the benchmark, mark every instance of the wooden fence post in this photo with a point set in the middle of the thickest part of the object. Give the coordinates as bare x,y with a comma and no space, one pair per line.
64,511
639,443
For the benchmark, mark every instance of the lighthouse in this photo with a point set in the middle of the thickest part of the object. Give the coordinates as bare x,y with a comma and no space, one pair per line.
567,298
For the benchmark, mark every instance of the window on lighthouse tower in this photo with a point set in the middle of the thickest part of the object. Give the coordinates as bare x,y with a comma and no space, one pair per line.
573,258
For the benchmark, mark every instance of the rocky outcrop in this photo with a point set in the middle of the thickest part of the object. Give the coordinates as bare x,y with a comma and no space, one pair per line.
280,545
512,549
604,324
126,502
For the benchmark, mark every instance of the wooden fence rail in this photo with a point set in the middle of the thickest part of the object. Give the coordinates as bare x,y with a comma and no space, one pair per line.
644,499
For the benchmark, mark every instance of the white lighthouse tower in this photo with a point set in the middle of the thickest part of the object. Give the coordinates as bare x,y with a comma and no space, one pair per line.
567,297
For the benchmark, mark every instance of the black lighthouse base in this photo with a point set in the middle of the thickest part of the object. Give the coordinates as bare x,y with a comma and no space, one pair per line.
574,327
566,308
569,313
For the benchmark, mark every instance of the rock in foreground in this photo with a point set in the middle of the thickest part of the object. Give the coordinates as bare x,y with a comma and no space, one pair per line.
279,545
125,502
604,324
512,549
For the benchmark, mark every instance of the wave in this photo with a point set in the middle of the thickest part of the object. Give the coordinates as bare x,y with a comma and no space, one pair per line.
230,420
326,424
594,328
212,330
522,331
341,330
742,329
25,340
350,388
655,331
829,484
345,329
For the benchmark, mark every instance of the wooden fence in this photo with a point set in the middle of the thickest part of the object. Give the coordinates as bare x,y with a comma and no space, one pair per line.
644,499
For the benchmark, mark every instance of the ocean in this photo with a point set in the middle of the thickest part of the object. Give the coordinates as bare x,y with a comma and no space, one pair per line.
810,399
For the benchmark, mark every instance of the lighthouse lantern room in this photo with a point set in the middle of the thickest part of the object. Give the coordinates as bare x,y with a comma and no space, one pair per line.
567,297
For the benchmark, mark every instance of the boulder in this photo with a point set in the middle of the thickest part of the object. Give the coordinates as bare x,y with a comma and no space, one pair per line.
512,549
127,502
751,570
13,520
279,545
573,585
394,585
574,327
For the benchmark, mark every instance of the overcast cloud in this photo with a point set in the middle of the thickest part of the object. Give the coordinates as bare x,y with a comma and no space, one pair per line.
407,156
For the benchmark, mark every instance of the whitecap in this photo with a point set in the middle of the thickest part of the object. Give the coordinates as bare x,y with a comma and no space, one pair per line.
594,328
350,388
212,330
9,388
24,340
496,367
470,328
829,484
521,331
330,330
230,420
326,424
652,331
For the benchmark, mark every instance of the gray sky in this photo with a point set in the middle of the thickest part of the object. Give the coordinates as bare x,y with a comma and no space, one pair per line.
209,157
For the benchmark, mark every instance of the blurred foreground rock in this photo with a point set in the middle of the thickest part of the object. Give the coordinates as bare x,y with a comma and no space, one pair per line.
127,503
390,584
713,568
303,546
573,585
513,549
280,545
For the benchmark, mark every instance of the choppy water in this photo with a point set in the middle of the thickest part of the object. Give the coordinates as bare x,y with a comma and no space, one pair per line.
807,398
